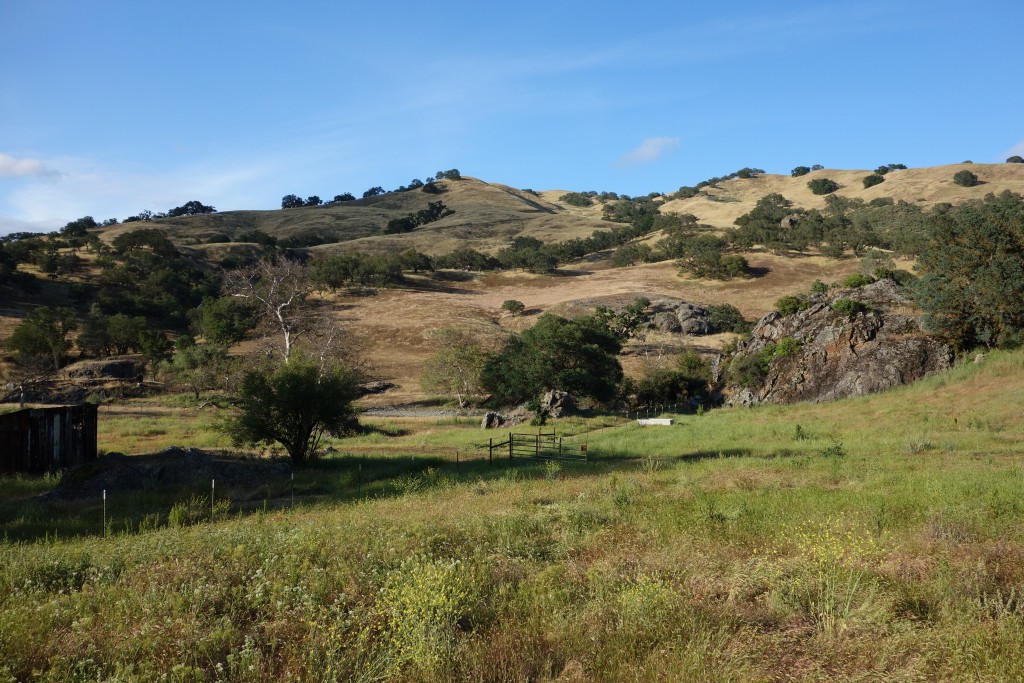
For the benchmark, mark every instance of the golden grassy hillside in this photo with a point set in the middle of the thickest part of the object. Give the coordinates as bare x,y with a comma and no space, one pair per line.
920,186
487,216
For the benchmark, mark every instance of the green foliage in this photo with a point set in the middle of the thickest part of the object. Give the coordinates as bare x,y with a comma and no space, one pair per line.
762,225
577,356
455,367
857,280
972,285
787,346
872,180
576,198
749,370
965,178
799,171
631,254
198,367
356,269
727,318
788,305
295,405
823,185
702,257
513,306
1015,159
415,261
192,208
529,254
435,211
849,307
291,201
43,333
225,320
465,258
818,287
79,227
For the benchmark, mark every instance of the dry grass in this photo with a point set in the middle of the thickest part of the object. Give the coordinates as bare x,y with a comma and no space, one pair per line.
921,186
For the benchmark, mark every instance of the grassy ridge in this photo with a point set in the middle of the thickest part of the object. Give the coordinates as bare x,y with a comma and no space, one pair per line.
880,541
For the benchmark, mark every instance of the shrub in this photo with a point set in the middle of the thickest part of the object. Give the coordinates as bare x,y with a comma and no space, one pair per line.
823,185
799,171
789,305
857,280
965,178
818,287
575,198
848,307
1015,159
786,347
749,370
727,318
514,307
872,180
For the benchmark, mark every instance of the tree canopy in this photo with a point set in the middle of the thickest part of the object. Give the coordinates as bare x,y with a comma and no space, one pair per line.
577,356
972,289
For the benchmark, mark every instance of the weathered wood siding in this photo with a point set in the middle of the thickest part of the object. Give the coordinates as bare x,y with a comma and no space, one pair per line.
38,440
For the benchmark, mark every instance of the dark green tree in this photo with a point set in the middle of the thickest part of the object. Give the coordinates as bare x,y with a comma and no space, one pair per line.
823,185
965,178
513,306
226,320
873,179
972,265
296,405
799,171
577,356
292,201
1015,159
43,334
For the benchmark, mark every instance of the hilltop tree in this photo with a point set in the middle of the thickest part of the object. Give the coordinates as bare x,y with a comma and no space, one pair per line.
313,200
799,171
374,192
1015,159
291,201
192,208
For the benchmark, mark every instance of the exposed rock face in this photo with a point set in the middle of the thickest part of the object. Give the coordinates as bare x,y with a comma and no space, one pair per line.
693,319
841,355
557,403
492,420
666,322
113,368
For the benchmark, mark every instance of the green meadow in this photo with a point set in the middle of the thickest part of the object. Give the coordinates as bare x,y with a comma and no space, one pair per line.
880,538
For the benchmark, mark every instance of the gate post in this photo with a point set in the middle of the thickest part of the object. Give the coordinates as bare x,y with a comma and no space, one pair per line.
510,445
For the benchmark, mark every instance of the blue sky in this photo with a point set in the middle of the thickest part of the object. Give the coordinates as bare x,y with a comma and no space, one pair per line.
108,108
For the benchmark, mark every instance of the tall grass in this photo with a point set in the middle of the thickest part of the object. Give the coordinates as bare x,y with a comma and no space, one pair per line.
731,546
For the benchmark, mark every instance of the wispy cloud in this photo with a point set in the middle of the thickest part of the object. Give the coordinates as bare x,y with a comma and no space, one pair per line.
648,151
13,167
1016,150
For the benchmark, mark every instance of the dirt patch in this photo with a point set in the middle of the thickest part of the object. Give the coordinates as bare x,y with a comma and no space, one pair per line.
170,469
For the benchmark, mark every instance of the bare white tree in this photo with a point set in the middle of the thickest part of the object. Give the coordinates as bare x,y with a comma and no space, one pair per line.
279,289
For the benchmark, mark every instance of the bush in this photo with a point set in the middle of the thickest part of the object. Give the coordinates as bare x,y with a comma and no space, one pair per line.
872,180
786,347
575,198
848,307
799,171
750,369
818,287
823,185
965,178
857,280
1015,159
788,305
514,307
727,318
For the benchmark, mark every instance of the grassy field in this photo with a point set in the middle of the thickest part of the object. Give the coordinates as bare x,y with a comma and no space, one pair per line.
873,539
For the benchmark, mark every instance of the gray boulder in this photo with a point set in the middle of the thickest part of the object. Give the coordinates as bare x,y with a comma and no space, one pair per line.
492,420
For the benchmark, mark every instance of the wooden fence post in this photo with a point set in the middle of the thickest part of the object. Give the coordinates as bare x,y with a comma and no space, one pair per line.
510,445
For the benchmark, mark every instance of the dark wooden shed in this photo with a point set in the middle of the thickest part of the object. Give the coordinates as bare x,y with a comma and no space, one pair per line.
38,440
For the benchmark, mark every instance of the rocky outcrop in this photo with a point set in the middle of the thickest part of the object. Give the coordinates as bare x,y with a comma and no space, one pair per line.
557,403
492,420
820,354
